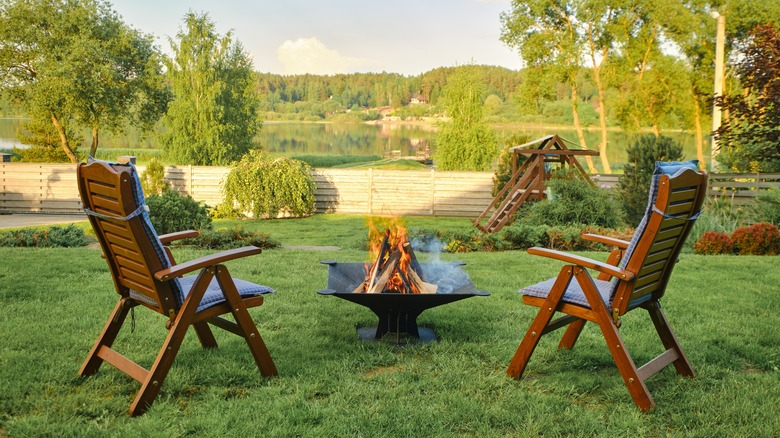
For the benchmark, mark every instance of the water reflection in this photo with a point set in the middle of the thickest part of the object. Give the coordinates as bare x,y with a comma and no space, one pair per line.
295,138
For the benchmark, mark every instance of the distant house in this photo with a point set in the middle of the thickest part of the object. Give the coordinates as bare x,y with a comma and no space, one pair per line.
417,99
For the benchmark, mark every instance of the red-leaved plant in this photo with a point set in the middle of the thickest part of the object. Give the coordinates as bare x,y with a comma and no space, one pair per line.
759,239
713,242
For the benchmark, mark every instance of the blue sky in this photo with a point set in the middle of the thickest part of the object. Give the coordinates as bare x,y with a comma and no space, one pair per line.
342,36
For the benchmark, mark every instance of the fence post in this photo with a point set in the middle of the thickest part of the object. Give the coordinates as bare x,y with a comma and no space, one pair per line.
370,190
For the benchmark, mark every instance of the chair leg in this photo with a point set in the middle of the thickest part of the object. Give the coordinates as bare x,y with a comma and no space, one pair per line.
162,364
572,334
543,317
669,340
106,338
628,370
205,335
250,333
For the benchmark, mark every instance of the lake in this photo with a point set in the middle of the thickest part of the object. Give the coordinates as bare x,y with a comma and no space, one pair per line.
298,138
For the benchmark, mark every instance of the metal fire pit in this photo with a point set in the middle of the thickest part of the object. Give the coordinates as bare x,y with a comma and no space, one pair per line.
398,312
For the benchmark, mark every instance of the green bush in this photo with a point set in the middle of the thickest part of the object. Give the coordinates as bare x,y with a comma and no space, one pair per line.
229,238
523,236
153,178
635,183
172,212
575,201
767,207
267,188
70,236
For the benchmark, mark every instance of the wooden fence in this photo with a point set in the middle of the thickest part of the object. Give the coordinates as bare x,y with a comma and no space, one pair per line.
51,188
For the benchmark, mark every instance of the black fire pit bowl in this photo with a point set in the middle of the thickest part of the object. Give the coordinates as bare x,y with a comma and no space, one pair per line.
398,312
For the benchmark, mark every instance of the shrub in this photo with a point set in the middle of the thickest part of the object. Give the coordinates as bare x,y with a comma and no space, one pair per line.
524,236
575,201
225,238
713,242
635,182
266,188
767,207
758,239
172,212
70,236
153,178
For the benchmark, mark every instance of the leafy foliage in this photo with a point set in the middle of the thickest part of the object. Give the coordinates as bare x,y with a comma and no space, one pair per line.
265,188
70,236
153,178
635,183
713,242
214,116
44,142
749,137
76,63
465,142
172,212
229,238
758,239
575,201
767,207
505,161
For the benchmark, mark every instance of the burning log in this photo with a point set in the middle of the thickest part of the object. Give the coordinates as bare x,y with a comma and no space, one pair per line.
396,269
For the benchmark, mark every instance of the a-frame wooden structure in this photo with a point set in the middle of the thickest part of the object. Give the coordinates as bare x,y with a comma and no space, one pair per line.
529,180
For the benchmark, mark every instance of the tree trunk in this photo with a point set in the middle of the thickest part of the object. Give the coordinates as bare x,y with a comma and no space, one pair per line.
578,127
699,132
64,139
602,118
95,139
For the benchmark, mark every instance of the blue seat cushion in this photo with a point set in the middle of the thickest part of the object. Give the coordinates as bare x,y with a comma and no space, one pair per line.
214,296
573,294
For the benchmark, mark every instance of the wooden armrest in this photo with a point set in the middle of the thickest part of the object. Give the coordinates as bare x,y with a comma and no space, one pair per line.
205,261
170,237
622,244
582,261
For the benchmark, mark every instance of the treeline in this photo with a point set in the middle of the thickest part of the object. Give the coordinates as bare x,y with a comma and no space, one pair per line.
316,97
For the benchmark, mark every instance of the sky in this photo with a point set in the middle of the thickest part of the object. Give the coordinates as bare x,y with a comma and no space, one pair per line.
341,36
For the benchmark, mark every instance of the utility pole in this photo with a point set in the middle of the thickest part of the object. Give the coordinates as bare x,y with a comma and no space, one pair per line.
720,42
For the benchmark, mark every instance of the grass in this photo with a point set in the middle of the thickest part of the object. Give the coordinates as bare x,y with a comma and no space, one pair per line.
54,303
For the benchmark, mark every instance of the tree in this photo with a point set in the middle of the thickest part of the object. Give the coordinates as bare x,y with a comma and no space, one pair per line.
548,37
74,62
465,142
213,118
750,136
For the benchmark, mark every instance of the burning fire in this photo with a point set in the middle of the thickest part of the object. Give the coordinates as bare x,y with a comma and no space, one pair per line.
395,267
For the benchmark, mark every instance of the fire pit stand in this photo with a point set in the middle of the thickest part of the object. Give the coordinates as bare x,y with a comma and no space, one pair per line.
397,312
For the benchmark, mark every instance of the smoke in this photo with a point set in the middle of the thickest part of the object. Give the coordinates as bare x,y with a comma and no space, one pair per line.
449,276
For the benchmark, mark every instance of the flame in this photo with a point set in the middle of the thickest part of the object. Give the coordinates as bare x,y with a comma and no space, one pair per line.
395,230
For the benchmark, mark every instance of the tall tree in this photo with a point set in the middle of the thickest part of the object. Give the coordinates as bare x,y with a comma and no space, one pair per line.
750,136
465,142
213,118
546,34
74,62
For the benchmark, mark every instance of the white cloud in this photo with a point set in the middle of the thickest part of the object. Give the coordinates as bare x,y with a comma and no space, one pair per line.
310,55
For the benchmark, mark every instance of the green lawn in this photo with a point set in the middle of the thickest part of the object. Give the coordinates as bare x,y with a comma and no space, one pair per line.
54,302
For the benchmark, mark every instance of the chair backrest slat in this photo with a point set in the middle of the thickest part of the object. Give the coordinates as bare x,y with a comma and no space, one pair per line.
113,193
678,200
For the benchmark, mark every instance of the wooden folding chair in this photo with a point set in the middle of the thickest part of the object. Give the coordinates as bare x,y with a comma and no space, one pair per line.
639,270
145,274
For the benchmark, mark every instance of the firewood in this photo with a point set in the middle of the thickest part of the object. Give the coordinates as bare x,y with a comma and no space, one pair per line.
378,262
422,286
385,274
415,264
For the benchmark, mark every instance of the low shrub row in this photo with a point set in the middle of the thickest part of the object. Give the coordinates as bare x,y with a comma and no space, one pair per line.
759,239
70,236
